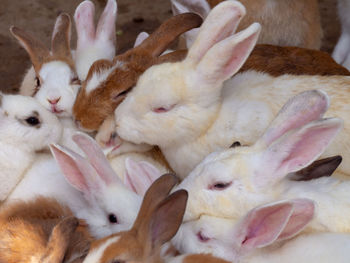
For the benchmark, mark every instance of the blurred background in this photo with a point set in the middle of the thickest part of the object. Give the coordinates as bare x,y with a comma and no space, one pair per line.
134,16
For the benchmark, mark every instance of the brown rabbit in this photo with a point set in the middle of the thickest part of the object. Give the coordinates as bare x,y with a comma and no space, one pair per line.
41,231
107,82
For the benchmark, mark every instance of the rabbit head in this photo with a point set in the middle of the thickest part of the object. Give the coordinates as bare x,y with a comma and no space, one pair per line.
176,102
56,80
158,220
26,124
107,82
113,204
260,227
244,177
94,44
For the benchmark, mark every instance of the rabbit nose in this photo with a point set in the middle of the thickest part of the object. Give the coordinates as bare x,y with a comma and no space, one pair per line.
54,101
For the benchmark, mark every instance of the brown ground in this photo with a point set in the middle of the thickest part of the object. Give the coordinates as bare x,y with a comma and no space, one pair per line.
134,16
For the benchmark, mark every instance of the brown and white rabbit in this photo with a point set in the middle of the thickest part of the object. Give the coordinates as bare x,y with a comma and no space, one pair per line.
107,82
55,76
284,23
41,230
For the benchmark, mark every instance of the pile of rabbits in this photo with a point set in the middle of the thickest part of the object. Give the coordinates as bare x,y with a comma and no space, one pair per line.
218,151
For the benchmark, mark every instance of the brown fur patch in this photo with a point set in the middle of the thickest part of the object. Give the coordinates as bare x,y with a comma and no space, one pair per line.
25,228
277,61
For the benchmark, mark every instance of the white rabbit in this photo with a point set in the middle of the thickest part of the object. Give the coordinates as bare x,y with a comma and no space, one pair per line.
284,23
188,110
341,52
94,44
231,182
55,76
261,236
25,128
98,195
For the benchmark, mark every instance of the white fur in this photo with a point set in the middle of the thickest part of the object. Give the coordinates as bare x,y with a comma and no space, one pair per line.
341,53
206,114
97,78
95,255
19,141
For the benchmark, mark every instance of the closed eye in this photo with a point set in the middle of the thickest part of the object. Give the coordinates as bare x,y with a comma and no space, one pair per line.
163,109
219,186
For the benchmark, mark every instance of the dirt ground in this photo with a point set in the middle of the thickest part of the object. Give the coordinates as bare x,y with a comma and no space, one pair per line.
134,16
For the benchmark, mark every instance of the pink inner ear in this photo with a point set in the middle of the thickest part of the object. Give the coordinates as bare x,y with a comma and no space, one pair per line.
263,225
69,168
84,20
303,212
308,148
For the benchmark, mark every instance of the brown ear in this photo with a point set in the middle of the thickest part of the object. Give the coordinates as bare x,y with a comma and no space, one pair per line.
167,218
159,40
155,194
319,168
60,44
35,48
59,240
175,56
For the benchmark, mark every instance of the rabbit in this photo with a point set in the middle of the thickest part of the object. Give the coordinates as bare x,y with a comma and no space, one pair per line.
57,75
188,110
267,233
157,222
26,127
41,230
56,81
104,87
88,186
92,44
228,183
341,52
285,23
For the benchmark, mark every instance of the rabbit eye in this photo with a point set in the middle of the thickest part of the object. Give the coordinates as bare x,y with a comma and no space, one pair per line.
118,261
32,121
37,82
75,81
113,219
220,186
163,109
235,144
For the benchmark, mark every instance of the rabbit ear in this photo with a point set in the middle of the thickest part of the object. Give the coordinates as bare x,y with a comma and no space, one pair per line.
168,31
60,44
262,226
166,219
303,213
84,23
225,58
77,170
140,175
298,111
155,194
96,157
37,51
59,240
221,22
106,25
140,38
200,7
319,168
295,150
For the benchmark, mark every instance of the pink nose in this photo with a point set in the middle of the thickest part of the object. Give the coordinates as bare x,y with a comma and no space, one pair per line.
54,101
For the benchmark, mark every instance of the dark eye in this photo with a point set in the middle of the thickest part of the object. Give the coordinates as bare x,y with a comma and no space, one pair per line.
235,144
112,218
220,186
33,121
37,82
117,261
75,81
